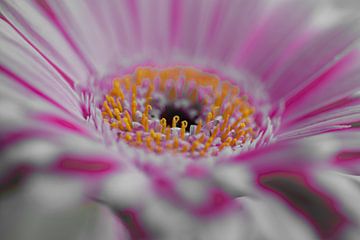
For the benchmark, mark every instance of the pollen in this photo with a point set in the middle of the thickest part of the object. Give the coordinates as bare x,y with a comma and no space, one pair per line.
179,110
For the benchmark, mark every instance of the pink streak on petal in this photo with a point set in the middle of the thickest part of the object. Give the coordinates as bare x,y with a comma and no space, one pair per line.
31,88
316,84
62,73
195,171
88,165
174,21
61,122
266,45
130,218
307,64
217,17
315,88
163,184
347,157
17,135
300,194
165,187
52,16
134,15
217,202
331,107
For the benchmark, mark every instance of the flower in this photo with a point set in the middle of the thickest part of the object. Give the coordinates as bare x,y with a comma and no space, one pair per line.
179,120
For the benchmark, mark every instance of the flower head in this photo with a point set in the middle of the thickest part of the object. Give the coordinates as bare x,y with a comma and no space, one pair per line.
175,119
180,110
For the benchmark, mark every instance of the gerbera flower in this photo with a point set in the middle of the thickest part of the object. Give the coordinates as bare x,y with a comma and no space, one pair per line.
179,120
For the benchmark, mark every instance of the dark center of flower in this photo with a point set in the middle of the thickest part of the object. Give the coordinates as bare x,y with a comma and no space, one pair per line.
170,111
179,109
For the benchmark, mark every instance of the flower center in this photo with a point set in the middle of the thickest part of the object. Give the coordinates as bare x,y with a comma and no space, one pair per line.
179,109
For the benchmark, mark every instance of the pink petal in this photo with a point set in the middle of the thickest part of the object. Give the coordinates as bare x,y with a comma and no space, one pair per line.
271,36
88,165
303,66
47,38
318,208
329,88
26,67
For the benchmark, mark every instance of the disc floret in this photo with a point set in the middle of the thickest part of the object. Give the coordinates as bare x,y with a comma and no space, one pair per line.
179,109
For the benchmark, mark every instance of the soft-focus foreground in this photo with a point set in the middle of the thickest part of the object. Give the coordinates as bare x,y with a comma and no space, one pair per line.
179,120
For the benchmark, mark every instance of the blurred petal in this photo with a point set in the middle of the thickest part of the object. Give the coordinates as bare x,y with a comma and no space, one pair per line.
49,207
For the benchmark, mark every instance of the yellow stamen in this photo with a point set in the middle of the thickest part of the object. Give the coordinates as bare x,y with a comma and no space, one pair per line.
158,139
202,138
147,110
209,117
119,106
113,125
236,122
215,132
145,124
172,94
117,114
148,141
219,100
128,137
225,122
134,92
185,148
233,142
149,93
127,80
198,127
158,149
144,73
214,110
246,112
127,115
194,146
133,109
240,133
215,84
225,144
194,95
127,124
175,74
191,74
184,124
208,143
145,117
176,142
163,125
152,133
139,137
164,76
120,125
225,133
175,120
167,133
117,90
107,109
139,73
111,100
235,91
